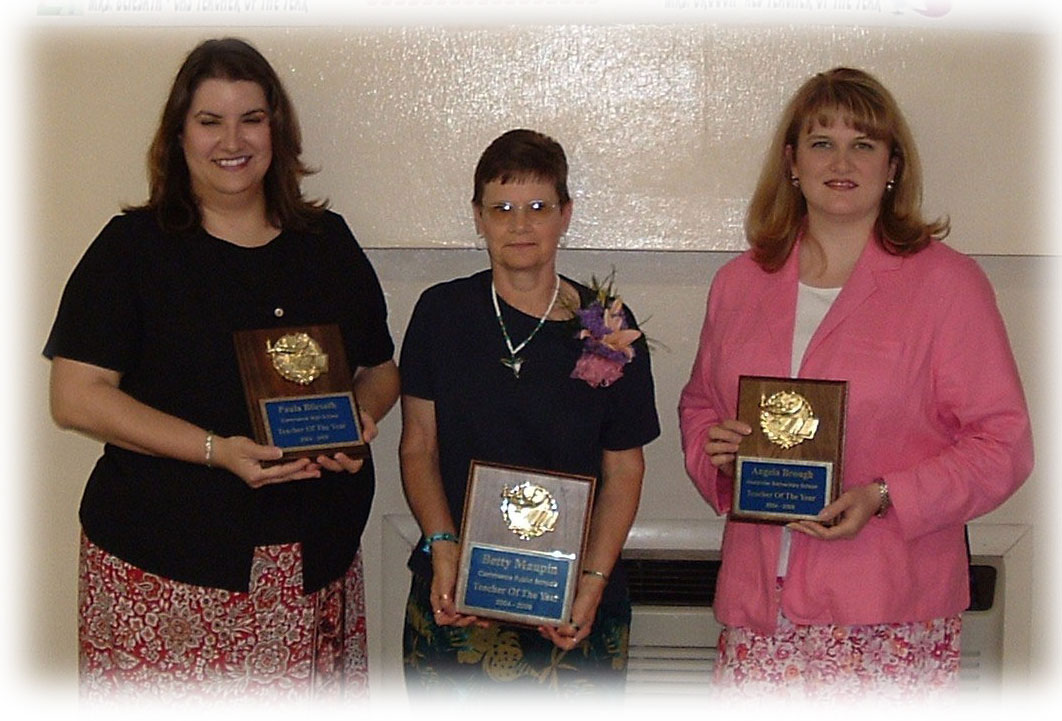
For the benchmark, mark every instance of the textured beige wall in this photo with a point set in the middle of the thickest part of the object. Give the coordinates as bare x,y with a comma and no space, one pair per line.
664,123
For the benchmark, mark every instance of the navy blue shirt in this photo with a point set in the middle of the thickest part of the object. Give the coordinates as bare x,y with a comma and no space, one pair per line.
545,419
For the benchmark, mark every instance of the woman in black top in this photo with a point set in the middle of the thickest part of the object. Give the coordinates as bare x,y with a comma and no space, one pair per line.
494,370
241,567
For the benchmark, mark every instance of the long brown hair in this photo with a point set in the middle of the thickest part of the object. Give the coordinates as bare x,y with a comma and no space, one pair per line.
170,185
777,211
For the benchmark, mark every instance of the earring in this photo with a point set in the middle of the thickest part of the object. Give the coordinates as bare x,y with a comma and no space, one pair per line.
795,181
890,185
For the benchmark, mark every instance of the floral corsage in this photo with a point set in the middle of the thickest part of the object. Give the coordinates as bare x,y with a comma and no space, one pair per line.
607,341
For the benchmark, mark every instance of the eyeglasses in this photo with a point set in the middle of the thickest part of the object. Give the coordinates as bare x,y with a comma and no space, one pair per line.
535,211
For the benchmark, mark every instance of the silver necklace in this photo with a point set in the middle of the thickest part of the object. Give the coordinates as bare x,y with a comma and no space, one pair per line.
514,362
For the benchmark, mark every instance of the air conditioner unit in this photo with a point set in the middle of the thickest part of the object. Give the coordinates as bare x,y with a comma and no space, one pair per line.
674,632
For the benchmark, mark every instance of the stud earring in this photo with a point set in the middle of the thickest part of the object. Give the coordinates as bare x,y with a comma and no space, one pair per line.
890,185
795,181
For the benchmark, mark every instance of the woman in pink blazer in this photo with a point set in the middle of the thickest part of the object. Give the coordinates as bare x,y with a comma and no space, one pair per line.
844,280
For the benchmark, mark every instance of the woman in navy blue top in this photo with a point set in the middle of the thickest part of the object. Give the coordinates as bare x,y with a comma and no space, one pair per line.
494,370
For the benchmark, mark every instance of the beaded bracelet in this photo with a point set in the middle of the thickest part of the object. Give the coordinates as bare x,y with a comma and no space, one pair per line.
208,449
441,536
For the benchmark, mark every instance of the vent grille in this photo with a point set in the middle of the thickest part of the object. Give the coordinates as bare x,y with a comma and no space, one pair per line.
670,670
681,582
671,582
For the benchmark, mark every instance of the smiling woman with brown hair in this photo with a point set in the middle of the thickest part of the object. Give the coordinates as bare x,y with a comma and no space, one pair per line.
207,566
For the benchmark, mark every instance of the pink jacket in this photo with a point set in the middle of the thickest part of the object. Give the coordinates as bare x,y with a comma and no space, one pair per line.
935,407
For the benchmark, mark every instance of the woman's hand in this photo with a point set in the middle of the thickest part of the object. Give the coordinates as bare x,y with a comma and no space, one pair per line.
584,608
848,514
444,558
723,441
245,458
341,462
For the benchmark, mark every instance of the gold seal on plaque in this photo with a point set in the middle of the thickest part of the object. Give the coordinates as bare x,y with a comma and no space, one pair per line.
298,358
529,510
787,418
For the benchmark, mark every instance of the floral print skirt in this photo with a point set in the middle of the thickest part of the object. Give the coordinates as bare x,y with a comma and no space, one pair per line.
902,660
149,637
458,663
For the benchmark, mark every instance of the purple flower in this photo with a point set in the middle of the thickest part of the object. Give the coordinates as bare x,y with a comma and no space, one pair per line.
606,341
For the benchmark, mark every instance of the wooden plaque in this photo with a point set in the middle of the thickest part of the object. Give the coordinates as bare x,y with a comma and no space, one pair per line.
299,391
522,542
790,467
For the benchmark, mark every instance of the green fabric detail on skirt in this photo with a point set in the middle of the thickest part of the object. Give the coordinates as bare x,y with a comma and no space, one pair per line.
463,661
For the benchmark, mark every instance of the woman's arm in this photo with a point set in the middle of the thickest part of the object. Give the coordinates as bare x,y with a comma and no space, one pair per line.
978,394
974,393
86,398
376,388
709,467
422,483
614,510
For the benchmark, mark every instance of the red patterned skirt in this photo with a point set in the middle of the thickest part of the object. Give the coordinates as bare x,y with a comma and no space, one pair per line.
144,635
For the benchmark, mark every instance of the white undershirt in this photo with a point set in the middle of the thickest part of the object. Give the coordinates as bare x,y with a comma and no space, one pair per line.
812,306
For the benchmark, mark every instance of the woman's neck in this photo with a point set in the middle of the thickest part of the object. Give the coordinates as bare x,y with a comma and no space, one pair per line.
532,291
246,225
830,251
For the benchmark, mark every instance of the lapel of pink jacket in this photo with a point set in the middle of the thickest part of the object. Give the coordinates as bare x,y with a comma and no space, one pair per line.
868,276
776,313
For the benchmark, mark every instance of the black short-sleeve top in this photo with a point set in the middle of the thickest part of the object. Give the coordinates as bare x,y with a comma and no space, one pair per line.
545,419
161,308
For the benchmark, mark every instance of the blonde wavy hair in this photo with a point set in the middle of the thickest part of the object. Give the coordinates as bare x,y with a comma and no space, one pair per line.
777,211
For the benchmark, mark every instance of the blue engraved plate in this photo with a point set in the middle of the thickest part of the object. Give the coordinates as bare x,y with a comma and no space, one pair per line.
310,422
529,585
770,487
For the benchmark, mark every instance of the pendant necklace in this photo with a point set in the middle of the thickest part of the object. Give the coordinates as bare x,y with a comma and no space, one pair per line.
514,362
